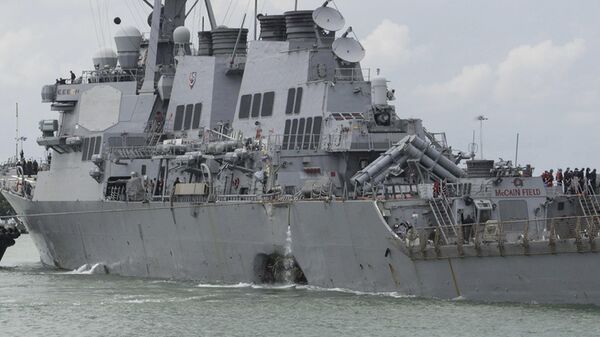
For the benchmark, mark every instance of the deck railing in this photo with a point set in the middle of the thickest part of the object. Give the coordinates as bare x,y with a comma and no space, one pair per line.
106,76
579,228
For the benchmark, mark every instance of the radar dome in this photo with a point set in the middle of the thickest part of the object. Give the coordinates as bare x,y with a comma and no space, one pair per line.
181,35
105,58
128,39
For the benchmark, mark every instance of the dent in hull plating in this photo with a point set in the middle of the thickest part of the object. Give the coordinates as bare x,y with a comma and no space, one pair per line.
337,244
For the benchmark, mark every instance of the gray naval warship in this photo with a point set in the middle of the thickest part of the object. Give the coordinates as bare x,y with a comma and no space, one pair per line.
281,160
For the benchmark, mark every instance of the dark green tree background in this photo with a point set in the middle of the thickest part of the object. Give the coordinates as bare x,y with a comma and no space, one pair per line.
5,208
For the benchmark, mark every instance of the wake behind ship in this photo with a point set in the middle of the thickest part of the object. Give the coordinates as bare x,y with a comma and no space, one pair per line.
282,160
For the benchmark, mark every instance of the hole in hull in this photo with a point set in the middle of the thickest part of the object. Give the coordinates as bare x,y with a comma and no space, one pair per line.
276,268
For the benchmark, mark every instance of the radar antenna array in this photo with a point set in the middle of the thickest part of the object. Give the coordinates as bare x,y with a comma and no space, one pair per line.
348,49
328,18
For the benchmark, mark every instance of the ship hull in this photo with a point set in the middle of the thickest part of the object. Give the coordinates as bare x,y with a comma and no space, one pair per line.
337,245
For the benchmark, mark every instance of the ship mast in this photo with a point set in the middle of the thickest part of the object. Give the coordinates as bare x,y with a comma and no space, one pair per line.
163,22
148,86
211,14
17,137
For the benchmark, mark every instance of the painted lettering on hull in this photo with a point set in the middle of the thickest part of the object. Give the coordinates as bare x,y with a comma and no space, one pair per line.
518,192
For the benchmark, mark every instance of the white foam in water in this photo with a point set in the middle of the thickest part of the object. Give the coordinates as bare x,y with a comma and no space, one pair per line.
226,286
82,269
393,294
88,269
305,287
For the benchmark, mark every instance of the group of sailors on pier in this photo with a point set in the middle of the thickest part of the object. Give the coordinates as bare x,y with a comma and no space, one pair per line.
572,181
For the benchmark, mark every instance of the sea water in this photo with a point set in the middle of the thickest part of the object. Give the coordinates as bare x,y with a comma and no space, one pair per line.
40,301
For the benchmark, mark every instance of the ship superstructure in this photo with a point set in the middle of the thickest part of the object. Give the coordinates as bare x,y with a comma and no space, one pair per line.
283,160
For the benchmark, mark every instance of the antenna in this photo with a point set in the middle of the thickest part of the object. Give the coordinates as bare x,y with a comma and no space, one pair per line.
296,5
473,147
481,119
17,137
348,49
328,18
517,151
255,20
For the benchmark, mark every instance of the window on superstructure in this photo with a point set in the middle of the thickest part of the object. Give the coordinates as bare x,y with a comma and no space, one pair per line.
286,134
316,132
197,114
256,101
189,112
98,145
289,109
307,133
178,125
84,148
300,137
91,149
293,134
245,103
267,104
298,104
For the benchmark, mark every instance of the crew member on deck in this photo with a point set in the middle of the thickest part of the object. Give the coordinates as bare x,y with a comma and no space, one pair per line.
158,121
559,178
568,176
467,226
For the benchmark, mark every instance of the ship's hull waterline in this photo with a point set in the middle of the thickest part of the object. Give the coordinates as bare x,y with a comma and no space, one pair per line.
337,244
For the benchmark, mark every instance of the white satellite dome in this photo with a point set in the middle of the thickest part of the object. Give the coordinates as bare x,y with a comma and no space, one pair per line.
105,53
181,35
104,58
128,31
128,39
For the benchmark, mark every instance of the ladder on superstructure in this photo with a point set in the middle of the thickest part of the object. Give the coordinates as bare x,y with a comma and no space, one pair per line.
155,136
156,130
442,212
590,207
440,205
